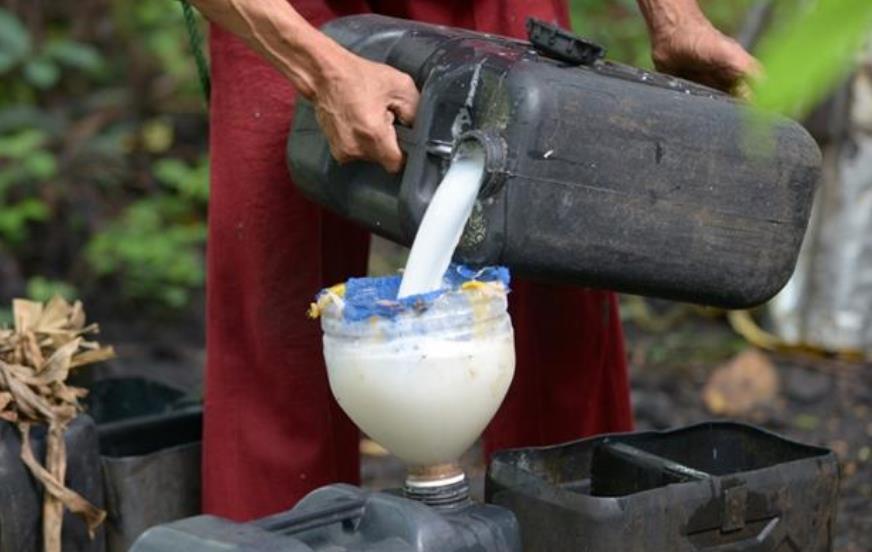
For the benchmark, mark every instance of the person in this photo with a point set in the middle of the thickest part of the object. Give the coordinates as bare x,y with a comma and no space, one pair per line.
272,430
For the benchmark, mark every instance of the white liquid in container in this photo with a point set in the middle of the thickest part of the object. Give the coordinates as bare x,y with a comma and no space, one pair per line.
424,384
443,223
426,401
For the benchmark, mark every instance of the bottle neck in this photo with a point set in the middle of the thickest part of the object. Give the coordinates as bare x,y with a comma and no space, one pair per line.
443,486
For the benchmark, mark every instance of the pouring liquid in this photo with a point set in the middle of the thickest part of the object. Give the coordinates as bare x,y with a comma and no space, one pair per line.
443,223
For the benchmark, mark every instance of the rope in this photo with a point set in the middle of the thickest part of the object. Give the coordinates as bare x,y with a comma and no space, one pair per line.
195,38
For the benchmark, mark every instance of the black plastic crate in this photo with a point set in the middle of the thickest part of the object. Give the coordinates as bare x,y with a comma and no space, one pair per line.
717,486
151,472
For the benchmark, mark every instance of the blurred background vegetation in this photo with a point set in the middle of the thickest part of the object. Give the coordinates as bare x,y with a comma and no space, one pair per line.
103,156
103,146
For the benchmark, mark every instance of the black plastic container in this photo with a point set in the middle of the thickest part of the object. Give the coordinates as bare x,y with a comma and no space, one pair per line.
340,518
21,495
716,486
151,472
598,173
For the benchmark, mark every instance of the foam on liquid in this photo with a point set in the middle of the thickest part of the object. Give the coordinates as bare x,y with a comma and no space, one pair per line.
442,225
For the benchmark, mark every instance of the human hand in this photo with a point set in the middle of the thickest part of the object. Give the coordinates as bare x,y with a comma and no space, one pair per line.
697,51
357,102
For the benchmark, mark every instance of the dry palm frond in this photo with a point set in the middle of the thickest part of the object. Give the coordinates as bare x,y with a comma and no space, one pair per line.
36,356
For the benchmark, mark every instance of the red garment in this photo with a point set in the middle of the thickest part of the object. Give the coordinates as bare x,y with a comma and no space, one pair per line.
272,430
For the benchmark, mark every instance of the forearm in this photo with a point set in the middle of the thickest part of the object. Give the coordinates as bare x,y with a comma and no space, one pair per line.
274,29
665,16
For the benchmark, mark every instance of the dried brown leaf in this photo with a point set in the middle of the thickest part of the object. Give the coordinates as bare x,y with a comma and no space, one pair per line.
65,412
26,314
69,394
24,373
747,381
90,357
52,507
26,400
5,399
77,316
54,316
31,352
57,367
74,502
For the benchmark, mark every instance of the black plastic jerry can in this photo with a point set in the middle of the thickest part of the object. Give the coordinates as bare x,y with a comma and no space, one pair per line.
598,173
21,495
711,487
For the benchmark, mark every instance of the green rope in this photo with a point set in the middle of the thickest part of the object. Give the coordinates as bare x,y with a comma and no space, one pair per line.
196,40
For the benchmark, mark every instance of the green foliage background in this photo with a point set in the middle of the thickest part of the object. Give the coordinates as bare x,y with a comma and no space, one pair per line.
103,152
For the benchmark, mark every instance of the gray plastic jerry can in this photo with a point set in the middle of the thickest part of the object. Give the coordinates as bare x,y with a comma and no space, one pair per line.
342,518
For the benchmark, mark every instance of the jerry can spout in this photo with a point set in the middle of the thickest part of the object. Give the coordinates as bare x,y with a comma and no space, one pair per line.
494,149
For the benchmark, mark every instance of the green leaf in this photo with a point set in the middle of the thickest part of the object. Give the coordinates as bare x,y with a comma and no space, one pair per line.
14,41
42,289
41,165
190,181
42,73
22,143
14,219
807,54
76,55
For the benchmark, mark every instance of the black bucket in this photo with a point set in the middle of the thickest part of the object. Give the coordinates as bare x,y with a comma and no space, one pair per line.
717,486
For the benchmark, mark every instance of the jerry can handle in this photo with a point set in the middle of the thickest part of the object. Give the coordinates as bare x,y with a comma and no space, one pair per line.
562,45
405,136
292,522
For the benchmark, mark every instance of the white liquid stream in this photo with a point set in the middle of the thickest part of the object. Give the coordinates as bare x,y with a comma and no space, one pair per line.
442,225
